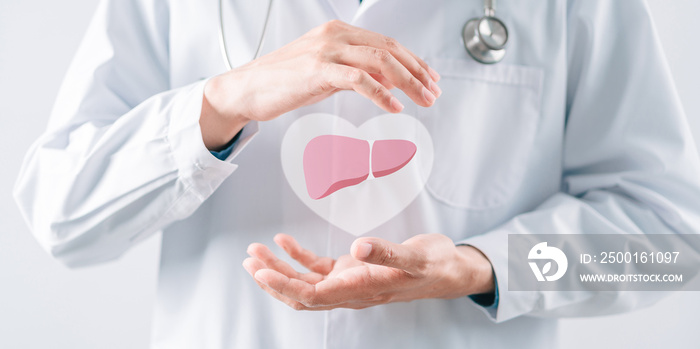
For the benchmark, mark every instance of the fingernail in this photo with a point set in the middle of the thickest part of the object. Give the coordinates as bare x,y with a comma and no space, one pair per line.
363,250
395,104
434,74
435,88
428,95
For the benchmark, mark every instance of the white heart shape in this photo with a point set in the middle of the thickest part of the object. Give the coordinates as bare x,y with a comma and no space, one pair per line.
365,206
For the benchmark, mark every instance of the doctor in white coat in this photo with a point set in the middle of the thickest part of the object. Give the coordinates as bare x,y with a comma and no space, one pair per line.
577,131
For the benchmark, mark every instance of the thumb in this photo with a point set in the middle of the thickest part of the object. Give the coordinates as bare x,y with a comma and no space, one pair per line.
386,253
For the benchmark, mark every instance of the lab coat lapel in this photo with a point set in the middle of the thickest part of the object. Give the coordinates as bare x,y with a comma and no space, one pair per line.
345,10
366,4
350,11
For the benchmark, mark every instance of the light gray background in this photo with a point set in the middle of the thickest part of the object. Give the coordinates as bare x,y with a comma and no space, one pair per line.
45,305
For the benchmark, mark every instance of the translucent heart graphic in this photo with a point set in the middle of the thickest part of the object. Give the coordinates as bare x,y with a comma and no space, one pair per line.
359,208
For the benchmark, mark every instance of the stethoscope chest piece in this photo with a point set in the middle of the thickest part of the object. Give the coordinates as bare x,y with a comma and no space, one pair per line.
485,38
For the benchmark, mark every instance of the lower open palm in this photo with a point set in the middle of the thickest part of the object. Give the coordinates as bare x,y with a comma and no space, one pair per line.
376,272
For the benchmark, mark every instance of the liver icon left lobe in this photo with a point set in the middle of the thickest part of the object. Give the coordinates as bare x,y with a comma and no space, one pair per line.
334,162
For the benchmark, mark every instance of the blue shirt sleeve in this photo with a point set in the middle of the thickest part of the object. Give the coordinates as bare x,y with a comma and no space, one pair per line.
224,153
487,300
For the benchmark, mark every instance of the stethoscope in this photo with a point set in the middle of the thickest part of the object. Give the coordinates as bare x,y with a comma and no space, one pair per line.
484,37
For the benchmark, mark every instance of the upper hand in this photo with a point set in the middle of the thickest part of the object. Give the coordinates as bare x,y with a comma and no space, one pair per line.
332,57
376,272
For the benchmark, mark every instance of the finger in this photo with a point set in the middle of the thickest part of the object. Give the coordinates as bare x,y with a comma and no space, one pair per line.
334,291
361,285
433,74
349,78
271,261
350,305
386,253
252,265
295,289
418,67
321,265
381,61
264,254
382,80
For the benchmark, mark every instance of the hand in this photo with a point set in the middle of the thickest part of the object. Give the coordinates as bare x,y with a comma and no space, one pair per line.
332,57
376,272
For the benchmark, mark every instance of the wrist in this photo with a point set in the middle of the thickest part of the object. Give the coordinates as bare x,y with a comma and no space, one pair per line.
477,275
218,124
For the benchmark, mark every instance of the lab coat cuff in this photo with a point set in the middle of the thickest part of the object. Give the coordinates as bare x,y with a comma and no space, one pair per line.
197,167
249,132
494,245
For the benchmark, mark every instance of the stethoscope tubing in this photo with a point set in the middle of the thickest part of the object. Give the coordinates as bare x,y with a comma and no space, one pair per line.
222,35
489,9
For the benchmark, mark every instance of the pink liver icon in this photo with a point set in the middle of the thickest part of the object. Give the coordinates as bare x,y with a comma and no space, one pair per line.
335,162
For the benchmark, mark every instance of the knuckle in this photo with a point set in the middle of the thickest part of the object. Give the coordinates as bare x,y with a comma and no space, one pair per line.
415,84
378,91
422,263
355,76
423,75
318,54
321,84
386,256
425,238
391,43
330,27
323,52
316,64
411,83
322,69
382,55
440,238
421,266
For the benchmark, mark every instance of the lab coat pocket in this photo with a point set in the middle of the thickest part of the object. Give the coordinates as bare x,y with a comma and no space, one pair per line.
483,128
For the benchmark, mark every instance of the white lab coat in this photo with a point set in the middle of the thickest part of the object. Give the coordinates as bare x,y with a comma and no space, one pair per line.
578,130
